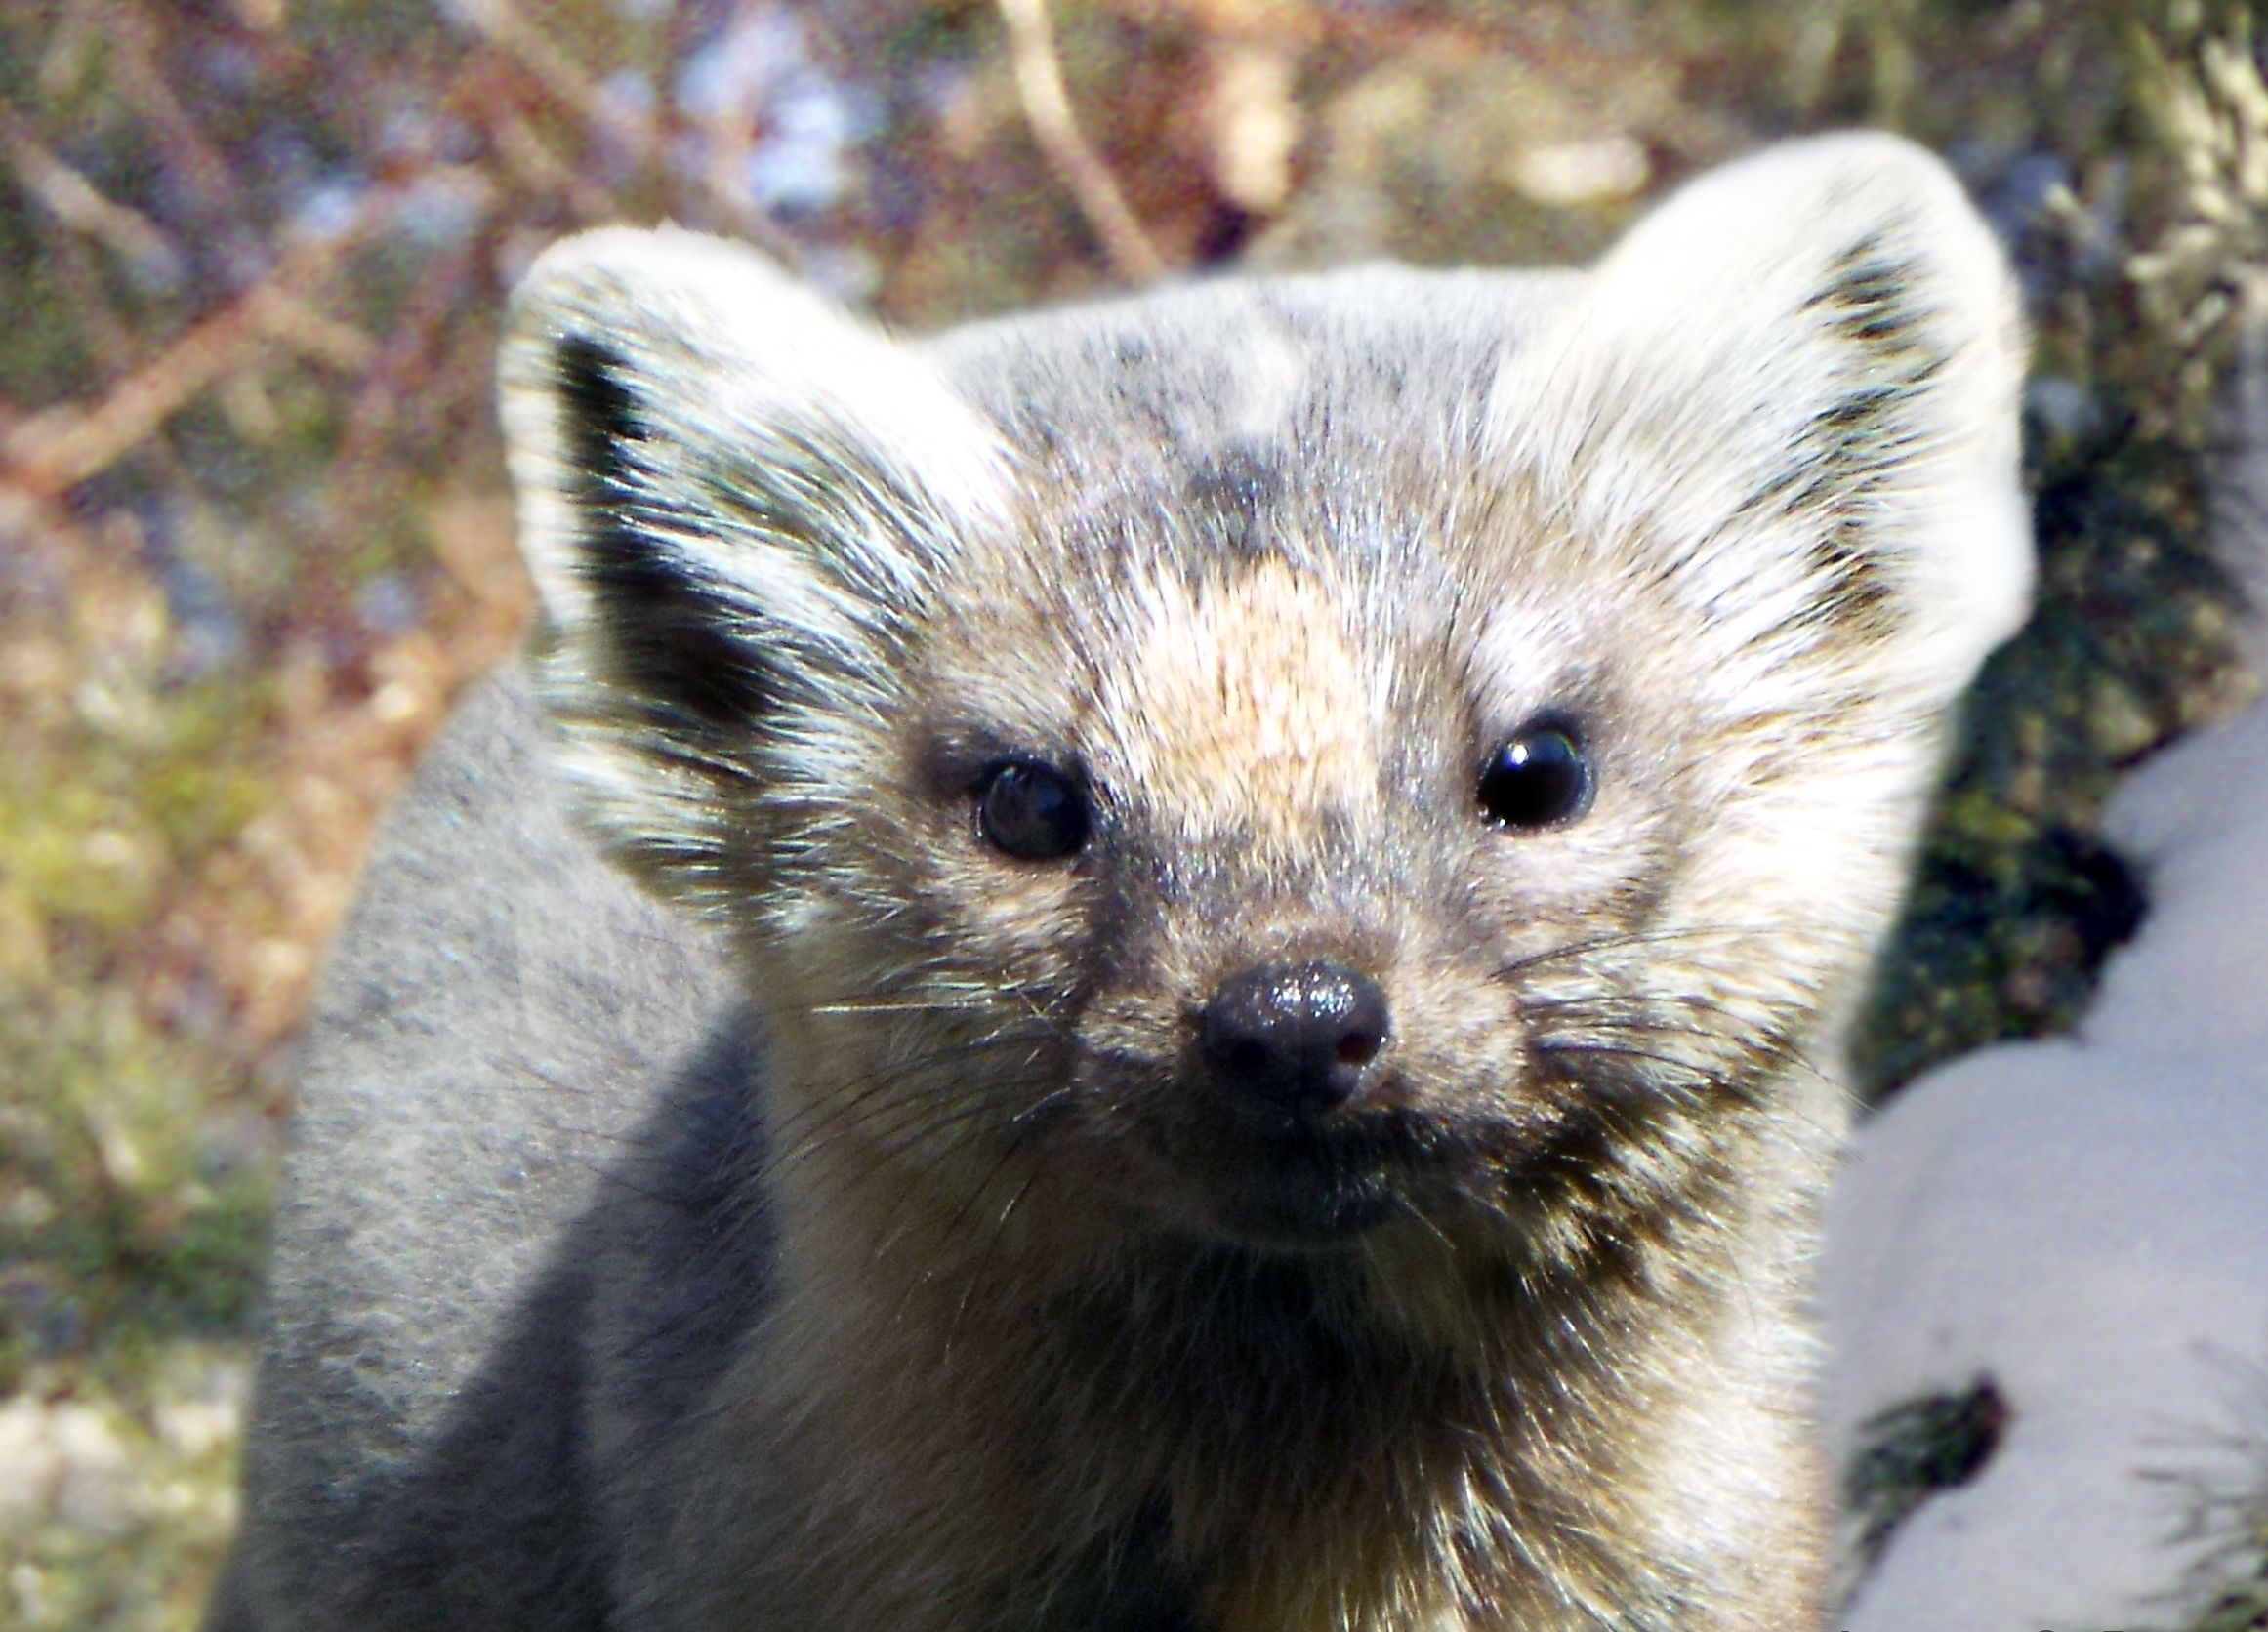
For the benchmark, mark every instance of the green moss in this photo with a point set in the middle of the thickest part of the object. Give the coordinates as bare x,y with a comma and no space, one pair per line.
2017,901
137,1221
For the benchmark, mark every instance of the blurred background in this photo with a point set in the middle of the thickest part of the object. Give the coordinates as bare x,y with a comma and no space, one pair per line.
254,533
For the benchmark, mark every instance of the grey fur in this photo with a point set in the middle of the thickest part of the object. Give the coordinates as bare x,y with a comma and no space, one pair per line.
865,1243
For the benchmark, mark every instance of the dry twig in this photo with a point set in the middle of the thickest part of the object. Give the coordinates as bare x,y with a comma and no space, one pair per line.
1046,107
527,42
54,451
74,201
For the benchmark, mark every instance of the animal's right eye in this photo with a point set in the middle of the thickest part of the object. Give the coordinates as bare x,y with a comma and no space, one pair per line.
1539,777
1031,811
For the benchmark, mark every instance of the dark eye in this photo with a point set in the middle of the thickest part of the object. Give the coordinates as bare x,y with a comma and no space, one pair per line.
1032,812
1537,777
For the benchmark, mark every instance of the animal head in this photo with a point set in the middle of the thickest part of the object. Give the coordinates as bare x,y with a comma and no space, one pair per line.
1295,755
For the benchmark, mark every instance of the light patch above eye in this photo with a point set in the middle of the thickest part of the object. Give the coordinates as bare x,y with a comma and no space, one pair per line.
1248,705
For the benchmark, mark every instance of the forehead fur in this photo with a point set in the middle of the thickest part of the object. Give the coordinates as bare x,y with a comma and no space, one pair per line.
1245,702
1230,491
1208,385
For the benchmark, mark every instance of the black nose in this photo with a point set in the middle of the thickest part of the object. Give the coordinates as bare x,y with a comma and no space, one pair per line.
1298,1035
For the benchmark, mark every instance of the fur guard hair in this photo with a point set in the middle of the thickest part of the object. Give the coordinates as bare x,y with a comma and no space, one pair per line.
862,1224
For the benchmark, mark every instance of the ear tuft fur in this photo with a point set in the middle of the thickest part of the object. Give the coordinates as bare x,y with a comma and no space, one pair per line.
673,635
731,496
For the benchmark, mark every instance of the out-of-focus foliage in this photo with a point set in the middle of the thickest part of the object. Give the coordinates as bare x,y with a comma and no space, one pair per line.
2134,638
252,531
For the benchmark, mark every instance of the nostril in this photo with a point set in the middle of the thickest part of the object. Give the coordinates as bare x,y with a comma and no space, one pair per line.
1359,1049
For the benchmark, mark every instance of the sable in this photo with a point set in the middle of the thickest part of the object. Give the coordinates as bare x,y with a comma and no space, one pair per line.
1250,897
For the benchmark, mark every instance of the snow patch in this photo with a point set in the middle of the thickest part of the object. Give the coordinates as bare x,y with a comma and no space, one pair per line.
2085,1222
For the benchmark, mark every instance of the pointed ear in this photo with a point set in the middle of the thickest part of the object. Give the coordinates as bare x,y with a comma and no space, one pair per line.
1799,378
732,497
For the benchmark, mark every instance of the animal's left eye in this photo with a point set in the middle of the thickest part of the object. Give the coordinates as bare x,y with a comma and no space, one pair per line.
1031,811
1539,777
